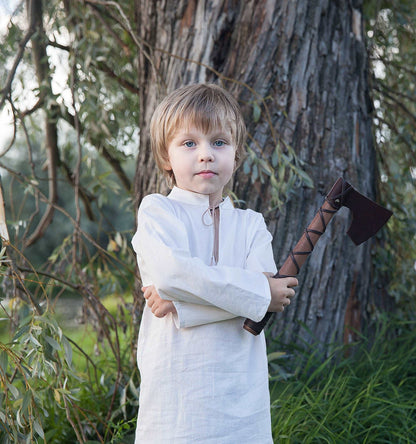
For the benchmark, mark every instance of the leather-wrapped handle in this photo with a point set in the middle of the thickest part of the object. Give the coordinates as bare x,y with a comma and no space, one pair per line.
297,257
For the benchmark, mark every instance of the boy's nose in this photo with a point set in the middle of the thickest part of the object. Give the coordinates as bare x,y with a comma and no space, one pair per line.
206,154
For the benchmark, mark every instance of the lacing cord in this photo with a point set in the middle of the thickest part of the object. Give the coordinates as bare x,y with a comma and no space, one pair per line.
336,202
214,213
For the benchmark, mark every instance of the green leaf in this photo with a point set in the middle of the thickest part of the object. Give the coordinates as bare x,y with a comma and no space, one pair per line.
256,112
281,172
307,181
21,332
133,388
275,158
68,350
38,428
19,420
275,355
26,401
34,341
15,392
246,167
255,173
54,344
4,361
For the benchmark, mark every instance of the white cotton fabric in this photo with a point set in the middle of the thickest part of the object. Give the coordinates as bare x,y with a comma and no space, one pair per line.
204,379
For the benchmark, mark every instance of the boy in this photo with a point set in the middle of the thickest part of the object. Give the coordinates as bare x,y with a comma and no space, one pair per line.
205,267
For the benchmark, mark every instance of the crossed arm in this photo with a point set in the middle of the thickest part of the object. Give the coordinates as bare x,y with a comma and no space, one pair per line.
281,291
232,291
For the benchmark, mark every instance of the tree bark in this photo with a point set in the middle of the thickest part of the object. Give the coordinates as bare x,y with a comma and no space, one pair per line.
308,62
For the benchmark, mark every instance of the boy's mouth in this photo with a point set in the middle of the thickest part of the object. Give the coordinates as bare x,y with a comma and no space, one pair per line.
206,173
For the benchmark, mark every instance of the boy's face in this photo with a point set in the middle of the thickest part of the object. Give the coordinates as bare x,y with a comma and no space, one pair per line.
202,162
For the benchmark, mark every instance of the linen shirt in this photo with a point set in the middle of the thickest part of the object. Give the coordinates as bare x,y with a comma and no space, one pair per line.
204,379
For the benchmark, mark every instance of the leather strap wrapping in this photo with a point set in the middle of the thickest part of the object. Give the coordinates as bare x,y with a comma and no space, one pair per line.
297,257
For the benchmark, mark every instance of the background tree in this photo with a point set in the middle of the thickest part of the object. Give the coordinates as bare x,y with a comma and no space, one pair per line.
300,71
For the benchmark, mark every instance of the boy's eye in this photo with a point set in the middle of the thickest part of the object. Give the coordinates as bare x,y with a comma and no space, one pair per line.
219,143
189,143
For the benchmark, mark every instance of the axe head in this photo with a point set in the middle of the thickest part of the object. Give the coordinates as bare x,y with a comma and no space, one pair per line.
367,216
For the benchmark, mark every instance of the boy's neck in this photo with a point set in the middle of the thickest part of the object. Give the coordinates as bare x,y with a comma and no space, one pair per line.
210,200
213,203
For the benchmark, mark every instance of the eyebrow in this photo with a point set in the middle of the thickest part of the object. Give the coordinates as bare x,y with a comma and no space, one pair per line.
221,134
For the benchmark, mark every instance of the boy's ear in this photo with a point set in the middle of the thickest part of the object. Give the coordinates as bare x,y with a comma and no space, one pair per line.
166,165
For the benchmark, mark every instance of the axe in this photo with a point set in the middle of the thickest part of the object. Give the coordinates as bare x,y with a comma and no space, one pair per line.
367,218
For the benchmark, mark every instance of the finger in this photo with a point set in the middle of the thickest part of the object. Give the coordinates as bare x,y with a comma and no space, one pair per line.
292,282
161,310
159,313
285,303
148,290
290,293
148,293
282,307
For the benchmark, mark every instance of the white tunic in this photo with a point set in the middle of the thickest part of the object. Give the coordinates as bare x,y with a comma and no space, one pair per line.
204,379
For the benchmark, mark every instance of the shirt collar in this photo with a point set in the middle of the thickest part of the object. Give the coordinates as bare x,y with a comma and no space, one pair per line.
189,197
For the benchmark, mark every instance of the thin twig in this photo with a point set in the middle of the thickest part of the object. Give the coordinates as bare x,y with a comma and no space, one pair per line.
6,91
77,171
123,82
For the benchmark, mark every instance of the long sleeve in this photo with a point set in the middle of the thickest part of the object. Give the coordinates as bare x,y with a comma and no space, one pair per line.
162,245
191,315
259,258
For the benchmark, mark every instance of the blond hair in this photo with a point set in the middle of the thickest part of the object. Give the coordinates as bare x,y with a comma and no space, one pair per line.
206,106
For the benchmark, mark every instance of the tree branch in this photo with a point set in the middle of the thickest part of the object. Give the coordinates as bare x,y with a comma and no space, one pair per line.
51,132
400,66
58,45
123,82
101,148
5,92
410,144
110,29
85,196
394,92
34,108
399,104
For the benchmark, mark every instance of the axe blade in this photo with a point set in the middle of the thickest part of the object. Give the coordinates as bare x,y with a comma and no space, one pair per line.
367,216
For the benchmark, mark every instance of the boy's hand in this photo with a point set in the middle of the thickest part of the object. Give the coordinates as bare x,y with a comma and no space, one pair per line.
159,307
281,291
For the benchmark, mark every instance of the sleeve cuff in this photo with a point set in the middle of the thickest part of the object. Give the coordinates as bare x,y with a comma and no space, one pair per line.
267,299
192,315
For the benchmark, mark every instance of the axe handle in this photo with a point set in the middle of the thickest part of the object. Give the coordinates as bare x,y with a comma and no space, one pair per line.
306,244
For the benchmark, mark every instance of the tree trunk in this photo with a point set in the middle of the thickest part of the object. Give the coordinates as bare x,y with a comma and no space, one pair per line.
308,62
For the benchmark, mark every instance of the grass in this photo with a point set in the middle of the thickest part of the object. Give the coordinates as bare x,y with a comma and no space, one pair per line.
369,397
361,395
